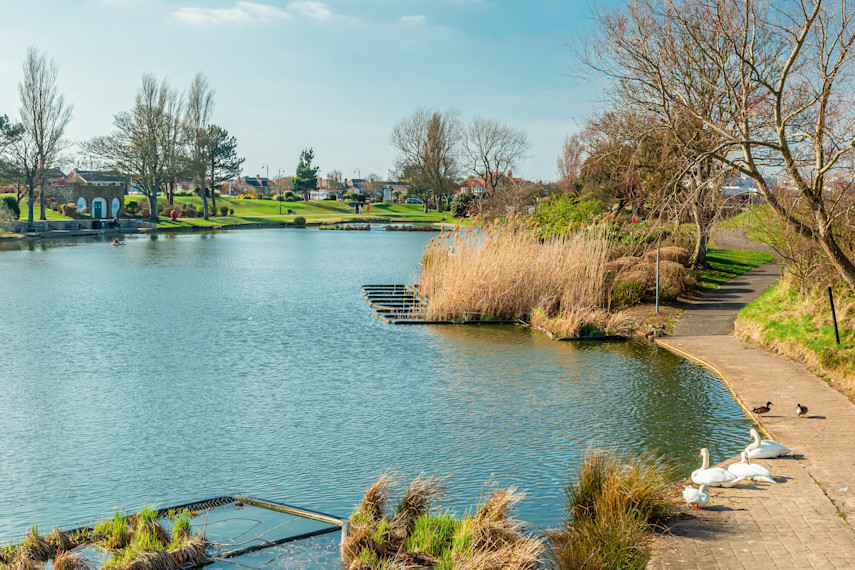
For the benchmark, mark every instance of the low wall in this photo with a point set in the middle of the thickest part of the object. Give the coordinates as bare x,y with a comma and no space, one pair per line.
39,226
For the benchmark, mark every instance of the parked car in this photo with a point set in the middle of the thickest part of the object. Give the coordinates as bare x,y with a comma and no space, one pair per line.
413,201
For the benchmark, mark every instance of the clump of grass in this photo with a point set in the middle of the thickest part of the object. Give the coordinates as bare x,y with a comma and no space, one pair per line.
416,536
613,502
69,561
113,533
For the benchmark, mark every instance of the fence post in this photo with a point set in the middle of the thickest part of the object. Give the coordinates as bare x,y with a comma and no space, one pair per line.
833,316
345,529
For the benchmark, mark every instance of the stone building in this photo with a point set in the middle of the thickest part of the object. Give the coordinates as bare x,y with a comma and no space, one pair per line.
99,201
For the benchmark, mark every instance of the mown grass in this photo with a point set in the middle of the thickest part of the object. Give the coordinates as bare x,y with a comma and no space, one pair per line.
798,324
49,214
613,504
725,264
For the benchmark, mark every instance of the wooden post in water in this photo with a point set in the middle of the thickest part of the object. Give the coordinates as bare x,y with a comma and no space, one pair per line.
833,316
657,280
345,529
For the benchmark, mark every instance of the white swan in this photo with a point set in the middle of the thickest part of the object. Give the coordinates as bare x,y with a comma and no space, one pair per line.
696,497
713,476
750,470
766,448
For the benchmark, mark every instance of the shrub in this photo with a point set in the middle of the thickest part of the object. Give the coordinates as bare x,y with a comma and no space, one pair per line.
293,198
672,279
247,196
630,287
231,211
669,253
9,208
459,203
188,211
299,221
224,210
280,198
132,206
69,210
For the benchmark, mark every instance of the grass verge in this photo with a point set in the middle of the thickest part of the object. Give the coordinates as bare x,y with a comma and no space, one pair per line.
725,264
797,324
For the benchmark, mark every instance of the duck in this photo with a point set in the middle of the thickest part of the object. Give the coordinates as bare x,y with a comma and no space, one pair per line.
713,476
696,497
801,411
760,410
766,448
752,471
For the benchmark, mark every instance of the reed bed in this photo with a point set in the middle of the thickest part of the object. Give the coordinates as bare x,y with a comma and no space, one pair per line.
506,273
414,535
613,503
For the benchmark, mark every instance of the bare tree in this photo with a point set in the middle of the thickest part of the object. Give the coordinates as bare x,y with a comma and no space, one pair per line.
200,106
493,149
372,185
769,86
44,116
570,161
428,143
144,139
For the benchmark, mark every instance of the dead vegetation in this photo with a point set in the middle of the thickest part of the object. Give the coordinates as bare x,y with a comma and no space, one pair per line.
415,535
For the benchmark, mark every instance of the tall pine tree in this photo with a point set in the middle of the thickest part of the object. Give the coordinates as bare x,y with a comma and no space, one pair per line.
306,178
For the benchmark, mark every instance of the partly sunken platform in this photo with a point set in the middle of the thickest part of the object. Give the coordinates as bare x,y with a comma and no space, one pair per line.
402,305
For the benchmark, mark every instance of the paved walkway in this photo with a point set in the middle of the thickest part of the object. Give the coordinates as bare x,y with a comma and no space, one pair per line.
796,523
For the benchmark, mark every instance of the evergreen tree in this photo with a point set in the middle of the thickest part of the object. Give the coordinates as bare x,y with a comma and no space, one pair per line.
306,178
223,160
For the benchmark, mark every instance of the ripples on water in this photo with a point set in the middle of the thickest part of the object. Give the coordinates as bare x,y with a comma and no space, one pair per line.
177,369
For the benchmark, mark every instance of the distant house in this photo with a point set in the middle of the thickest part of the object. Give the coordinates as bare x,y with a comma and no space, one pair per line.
472,185
254,184
391,190
744,188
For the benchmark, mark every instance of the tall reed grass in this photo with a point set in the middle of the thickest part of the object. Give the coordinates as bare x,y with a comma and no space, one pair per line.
506,273
613,502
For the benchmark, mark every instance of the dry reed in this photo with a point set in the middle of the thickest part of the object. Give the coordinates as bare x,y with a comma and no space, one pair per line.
507,274
67,560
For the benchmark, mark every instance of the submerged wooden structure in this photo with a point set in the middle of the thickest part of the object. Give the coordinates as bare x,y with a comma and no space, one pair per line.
403,305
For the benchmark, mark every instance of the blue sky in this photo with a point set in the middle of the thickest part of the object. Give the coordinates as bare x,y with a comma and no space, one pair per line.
332,75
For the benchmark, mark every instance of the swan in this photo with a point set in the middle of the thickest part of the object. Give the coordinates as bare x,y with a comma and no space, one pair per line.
750,470
713,476
765,449
696,497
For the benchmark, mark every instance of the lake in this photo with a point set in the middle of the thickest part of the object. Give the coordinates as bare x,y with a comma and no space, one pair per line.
190,366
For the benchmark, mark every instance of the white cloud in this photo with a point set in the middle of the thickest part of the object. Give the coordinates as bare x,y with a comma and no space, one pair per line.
312,9
241,12
412,19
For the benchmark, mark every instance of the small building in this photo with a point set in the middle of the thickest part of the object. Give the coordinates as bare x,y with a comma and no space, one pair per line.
98,200
252,184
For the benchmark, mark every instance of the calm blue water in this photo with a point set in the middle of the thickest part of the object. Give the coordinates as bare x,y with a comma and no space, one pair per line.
182,368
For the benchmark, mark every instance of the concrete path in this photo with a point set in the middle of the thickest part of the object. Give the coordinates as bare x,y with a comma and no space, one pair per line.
796,523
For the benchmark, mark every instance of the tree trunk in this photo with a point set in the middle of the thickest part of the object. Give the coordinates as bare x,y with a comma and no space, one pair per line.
838,258
702,236
213,198
204,192
30,204
152,203
42,212
170,193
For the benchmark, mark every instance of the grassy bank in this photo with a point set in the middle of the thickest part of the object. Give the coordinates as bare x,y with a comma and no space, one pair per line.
797,324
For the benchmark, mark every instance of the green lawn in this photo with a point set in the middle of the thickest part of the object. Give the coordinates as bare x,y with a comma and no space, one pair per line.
725,264
49,214
315,211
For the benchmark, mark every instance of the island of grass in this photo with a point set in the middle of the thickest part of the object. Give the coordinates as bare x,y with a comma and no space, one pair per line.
135,542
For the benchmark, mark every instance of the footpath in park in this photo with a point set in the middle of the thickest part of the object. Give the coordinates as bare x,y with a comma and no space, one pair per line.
799,522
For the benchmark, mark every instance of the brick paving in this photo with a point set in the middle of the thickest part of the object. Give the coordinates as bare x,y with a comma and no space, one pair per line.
796,523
